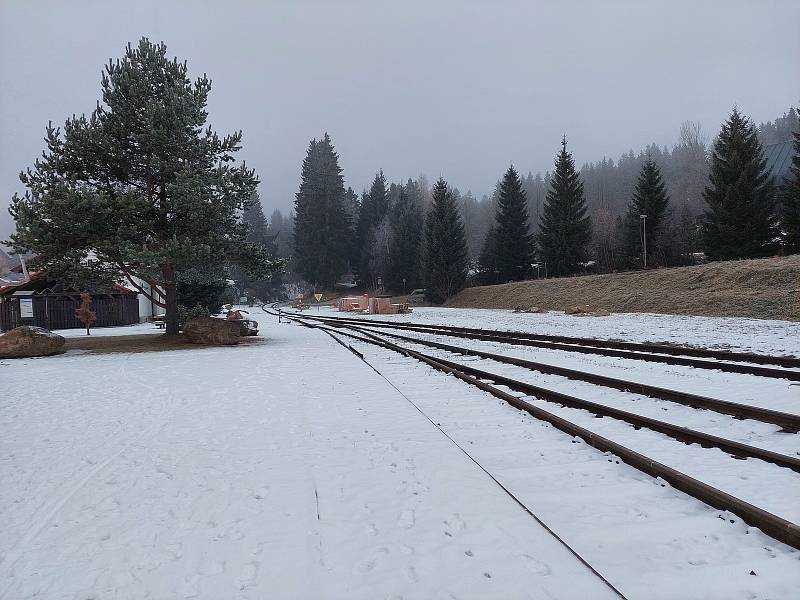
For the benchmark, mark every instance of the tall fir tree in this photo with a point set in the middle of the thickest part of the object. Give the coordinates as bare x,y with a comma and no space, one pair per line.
650,199
740,218
487,261
444,246
253,217
260,232
143,186
565,229
407,227
373,210
790,202
513,244
322,227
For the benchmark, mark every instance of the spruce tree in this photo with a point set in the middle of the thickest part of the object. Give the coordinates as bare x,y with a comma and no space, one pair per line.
739,221
322,229
143,186
444,247
790,214
565,229
513,244
253,217
404,259
260,232
487,262
373,210
650,199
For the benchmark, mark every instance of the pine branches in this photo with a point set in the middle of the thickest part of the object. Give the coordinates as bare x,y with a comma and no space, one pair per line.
445,247
142,186
565,229
651,200
322,222
740,218
513,242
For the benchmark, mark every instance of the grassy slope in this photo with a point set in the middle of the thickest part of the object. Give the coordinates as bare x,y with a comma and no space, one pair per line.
748,288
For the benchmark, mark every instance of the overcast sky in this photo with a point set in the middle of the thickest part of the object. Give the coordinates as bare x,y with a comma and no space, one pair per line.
452,88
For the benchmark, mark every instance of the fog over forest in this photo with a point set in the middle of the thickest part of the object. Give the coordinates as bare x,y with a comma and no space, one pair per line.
458,89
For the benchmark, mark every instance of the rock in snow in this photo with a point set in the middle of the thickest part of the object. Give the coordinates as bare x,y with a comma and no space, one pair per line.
216,332
26,341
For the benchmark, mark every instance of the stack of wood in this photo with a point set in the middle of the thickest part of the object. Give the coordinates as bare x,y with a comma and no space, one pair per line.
586,310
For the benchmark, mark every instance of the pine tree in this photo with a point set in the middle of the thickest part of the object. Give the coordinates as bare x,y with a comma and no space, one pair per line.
407,227
444,247
253,217
143,185
259,232
487,262
282,229
322,228
739,221
790,214
565,229
513,246
650,199
372,212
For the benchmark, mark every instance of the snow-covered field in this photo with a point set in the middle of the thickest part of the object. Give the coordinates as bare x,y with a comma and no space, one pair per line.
291,469
137,329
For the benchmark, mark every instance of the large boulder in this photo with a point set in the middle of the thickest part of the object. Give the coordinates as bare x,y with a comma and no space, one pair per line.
25,341
216,332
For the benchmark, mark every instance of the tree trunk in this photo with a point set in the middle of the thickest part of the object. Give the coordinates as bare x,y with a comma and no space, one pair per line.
171,292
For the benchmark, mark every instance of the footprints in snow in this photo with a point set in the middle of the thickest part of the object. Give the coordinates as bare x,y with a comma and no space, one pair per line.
407,519
536,566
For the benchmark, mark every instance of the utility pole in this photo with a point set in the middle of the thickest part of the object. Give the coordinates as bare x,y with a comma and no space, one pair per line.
644,240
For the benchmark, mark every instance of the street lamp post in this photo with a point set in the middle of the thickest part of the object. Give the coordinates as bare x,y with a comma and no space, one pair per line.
644,240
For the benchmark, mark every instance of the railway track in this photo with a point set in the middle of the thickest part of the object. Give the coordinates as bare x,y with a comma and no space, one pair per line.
730,362
773,525
787,421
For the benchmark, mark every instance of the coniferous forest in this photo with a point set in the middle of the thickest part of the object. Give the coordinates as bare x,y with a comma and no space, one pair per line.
705,198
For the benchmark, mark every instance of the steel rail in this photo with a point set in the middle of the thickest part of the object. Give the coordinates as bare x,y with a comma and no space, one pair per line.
787,421
652,347
507,338
682,434
777,527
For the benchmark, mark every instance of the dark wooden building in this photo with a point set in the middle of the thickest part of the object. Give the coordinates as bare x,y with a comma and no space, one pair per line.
46,303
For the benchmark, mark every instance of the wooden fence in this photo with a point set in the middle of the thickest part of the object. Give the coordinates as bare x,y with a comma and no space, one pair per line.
58,311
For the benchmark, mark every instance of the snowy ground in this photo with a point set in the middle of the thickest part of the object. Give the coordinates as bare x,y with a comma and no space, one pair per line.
751,480
652,542
290,469
137,329
285,470
748,335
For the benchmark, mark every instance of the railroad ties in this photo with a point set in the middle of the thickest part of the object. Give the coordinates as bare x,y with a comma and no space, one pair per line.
374,333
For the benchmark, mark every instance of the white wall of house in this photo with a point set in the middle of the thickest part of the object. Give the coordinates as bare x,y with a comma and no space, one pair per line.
147,309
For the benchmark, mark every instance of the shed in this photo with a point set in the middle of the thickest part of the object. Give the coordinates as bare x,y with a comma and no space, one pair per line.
47,303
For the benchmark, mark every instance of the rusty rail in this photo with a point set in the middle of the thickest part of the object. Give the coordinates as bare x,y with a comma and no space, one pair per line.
516,338
787,421
771,524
